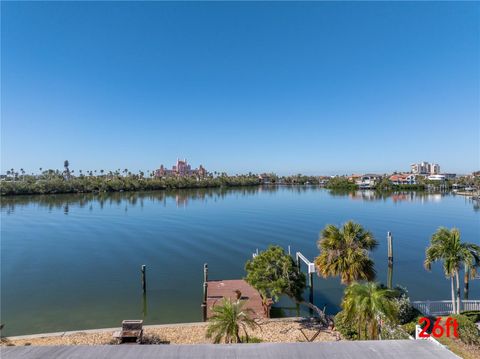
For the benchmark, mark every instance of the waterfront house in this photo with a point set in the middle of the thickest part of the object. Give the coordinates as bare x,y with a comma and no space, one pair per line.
436,178
368,180
403,178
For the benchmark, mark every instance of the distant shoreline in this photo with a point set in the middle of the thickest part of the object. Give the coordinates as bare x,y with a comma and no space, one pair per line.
119,184
55,182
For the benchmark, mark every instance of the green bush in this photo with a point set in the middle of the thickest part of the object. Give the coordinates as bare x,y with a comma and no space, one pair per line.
251,339
344,327
410,328
392,331
467,330
406,312
473,315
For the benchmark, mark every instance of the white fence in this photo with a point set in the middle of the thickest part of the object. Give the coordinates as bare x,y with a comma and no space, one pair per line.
442,307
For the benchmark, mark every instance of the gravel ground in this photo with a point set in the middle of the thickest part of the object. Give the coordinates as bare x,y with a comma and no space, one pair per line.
280,331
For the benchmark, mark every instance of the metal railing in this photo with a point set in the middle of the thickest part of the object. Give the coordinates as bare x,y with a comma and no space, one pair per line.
310,266
442,307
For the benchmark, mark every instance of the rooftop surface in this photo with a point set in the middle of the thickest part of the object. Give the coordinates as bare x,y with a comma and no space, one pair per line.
344,349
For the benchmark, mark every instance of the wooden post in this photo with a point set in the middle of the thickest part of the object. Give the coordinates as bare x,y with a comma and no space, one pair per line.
144,279
390,247
390,276
466,282
390,260
205,286
144,307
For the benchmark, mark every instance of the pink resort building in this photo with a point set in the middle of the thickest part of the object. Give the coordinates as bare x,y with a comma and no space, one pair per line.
181,169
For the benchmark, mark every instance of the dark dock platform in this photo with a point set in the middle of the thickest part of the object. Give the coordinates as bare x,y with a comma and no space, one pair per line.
218,289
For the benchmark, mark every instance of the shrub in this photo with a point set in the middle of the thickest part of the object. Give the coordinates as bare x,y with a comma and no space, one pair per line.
251,339
410,328
153,339
346,328
411,325
406,312
473,315
467,330
393,331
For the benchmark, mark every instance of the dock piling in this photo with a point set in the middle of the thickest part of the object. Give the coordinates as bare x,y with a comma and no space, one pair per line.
205,285
144,305
390,247
144,279
390,260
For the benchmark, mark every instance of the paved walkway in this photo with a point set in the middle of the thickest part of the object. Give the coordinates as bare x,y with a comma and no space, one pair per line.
395,349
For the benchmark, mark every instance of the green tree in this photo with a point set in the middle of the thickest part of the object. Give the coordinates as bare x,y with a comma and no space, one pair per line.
369,305
274,273
66,164
446,246
344,253
228,319
384,184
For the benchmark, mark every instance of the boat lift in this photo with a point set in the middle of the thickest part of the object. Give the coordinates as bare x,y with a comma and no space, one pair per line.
310,269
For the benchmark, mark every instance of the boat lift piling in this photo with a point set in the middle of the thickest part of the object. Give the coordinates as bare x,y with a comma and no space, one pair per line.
390,260
205,287
144,278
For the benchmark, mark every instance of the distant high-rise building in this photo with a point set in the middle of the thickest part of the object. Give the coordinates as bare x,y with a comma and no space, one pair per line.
425,168
434,169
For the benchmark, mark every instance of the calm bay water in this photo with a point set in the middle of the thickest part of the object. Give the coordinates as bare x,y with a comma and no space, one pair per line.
73,261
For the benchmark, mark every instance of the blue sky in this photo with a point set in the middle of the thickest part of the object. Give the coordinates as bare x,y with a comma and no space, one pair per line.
310,87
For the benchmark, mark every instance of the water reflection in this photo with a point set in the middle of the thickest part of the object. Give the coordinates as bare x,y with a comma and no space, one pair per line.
182,198
86,200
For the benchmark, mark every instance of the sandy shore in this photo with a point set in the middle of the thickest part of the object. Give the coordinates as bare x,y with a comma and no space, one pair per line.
275,330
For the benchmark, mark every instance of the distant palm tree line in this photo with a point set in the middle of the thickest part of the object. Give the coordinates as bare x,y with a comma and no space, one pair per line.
55,181
49,181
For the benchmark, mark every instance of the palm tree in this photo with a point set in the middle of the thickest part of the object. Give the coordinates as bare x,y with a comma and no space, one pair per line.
471,262
66,164
446,246
227,320
369,305
344,253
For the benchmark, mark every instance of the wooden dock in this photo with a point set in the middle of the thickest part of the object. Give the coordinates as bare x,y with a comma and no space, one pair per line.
218,289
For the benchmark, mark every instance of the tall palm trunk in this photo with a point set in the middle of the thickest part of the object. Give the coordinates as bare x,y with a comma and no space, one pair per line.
458,291
466,282
454,308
